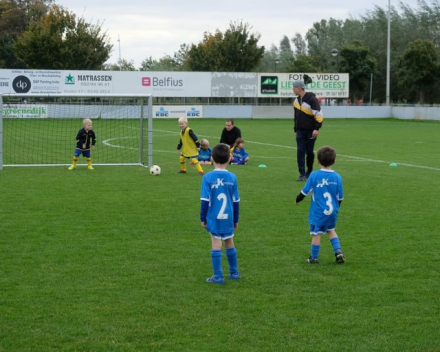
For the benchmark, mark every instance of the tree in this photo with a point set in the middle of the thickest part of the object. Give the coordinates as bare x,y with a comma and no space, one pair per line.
122,65
359,63
321,39
147,64
302,63
181,56
61,41
268,63
236,50
166,63
15,18
300,44
418,67
286,54
7,56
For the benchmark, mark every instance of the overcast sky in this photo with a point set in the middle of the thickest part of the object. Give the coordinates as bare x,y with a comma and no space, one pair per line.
155,28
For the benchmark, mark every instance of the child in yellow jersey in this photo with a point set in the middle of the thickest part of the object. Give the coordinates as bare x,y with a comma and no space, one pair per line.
188,146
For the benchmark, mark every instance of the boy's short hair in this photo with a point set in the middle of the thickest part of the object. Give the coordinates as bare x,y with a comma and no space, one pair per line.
86,120
183,119
326,156
221,153
204,141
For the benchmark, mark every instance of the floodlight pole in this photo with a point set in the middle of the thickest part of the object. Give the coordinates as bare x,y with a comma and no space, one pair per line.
120,60
1,132
335,53
277,61
388,54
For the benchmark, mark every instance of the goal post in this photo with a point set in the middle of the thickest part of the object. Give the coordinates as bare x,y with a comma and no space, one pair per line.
40,130
1,133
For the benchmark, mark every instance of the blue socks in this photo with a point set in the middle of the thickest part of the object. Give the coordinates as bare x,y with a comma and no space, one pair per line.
335,244
231,254
315,248
315,251
216,259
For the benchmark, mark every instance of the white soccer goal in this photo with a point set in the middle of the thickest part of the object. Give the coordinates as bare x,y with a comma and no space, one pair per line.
40,130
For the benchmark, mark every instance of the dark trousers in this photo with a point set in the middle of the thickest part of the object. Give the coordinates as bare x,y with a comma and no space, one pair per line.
304,154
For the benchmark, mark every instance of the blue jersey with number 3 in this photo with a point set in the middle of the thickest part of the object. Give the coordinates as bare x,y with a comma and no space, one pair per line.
220,189
326,188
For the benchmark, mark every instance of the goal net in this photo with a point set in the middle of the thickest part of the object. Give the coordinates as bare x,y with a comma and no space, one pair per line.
41,130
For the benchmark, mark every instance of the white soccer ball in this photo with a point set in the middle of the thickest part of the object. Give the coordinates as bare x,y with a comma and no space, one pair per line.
155,170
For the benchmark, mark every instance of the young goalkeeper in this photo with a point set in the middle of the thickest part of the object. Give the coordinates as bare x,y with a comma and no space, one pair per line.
188,147
85,142
219,213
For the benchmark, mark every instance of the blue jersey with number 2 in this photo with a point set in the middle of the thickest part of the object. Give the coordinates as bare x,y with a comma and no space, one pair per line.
220,189
326,188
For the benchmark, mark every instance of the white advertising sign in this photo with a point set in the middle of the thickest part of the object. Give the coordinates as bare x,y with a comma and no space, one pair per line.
170,84
176,111
24,110
160,84
325,85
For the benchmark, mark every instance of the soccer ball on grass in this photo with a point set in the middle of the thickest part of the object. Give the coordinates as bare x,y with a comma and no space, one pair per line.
155,170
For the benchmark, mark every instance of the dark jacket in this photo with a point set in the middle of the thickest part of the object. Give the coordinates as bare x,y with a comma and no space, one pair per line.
85,137
308,114
229,137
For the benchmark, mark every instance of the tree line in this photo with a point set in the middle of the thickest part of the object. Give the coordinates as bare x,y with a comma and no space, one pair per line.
39,34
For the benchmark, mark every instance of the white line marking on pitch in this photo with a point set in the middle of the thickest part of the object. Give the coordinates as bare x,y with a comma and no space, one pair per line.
358,158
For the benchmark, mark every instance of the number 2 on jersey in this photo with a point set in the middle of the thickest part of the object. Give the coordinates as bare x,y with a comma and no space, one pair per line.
221,214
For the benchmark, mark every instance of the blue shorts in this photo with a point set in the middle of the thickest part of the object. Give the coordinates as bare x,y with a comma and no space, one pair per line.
320,230
85,153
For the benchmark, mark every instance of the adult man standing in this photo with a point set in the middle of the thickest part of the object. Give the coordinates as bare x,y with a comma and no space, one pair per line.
308,120
230,133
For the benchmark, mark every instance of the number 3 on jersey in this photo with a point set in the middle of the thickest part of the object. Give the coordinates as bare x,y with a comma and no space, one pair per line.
328,197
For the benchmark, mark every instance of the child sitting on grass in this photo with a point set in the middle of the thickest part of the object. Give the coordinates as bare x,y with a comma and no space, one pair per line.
205,152
238,153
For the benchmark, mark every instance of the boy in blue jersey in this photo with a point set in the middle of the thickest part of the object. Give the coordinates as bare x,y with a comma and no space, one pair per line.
85,142
205,152
327,196
219,213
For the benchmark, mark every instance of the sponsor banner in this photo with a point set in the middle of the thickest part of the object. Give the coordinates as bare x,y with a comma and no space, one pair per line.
324,85
176,111
159,84
234,84
169,84
24,110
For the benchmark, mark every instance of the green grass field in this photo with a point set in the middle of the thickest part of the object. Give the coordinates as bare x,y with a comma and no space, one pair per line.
116,260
